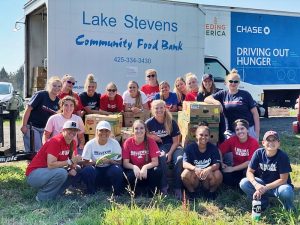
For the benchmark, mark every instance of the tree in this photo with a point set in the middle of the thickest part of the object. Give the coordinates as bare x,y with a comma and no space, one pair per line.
4,75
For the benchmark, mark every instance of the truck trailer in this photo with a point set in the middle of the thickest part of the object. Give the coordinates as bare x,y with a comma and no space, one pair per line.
262,45
117,40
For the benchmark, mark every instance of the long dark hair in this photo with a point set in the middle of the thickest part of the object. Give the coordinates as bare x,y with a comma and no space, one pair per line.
146,142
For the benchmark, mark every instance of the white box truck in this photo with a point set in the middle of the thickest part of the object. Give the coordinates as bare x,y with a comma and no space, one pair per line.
263,45
117,40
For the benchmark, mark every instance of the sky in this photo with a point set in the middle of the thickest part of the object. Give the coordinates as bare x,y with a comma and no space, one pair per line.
12,43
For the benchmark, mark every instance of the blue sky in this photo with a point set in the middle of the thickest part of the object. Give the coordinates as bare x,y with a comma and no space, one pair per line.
12,43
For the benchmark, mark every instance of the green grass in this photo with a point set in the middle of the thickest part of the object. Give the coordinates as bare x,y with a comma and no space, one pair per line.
17,204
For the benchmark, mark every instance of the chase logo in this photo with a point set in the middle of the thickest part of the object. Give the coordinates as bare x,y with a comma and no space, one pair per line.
253,30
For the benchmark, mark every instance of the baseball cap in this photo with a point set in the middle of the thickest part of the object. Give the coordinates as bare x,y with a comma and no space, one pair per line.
206,76
103,125
71,125
271,133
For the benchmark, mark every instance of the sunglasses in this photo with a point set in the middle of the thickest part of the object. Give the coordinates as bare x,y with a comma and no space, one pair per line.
111,90
70,82
151,75
233,81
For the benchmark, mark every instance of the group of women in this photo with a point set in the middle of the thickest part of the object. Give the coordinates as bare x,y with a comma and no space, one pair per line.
155,142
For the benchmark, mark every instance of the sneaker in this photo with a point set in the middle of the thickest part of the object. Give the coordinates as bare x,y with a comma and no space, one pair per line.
178,194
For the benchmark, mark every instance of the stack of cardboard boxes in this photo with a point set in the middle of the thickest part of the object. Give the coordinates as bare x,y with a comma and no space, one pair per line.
39,79
192,114
130,117
91,121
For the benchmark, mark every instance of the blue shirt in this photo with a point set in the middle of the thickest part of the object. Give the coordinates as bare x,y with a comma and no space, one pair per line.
157,128
170,101
236,106
42,108
270,168
199,159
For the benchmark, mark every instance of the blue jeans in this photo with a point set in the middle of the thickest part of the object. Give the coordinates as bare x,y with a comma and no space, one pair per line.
111,175
285,193
177,162
38,135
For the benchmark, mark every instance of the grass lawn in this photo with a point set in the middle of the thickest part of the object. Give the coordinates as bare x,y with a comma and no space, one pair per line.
18,206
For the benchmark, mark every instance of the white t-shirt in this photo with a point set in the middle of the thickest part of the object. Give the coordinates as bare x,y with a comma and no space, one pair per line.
127,99
93,150
55,124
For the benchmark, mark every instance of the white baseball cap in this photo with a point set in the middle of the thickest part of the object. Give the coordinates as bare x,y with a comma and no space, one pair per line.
103,125
71,125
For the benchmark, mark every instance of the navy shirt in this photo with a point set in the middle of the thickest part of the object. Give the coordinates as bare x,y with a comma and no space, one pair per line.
157,128
199,159
92,102
170,101
270,168
42,108
236,106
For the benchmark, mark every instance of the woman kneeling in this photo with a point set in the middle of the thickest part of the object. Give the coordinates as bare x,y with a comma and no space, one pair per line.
201,164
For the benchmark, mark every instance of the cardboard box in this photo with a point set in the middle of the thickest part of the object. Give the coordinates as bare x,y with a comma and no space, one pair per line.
40,82
175,116
126,132
130,117
188,132
91,121
200,111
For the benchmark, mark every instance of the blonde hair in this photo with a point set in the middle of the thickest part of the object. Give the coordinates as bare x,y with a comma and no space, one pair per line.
188,77
178,93
233,74
168,116
64,99
138,99
52,80
65,78
90,79
152,71
202,127
113,85
160,88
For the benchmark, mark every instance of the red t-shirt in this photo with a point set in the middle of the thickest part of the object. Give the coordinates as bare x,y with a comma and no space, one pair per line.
79,106
136,153
55,146
150,92
242,152
115,105
191,96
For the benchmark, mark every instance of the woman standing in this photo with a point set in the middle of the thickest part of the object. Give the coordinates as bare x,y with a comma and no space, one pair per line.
242,146
55,123
151,87
134,100
41,106
181,90
111,101
68,83
168,97
201,164
166,133
90,99
53,168
140,159
192,84
236,104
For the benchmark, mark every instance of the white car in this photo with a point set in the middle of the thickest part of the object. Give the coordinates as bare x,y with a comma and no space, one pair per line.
7,94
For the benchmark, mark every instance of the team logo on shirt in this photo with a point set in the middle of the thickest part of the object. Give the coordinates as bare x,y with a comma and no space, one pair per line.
160,133
138,154
269,167
242,152
64,152
100,153
202,163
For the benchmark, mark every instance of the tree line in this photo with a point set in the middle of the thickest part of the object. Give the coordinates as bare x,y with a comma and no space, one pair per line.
16,78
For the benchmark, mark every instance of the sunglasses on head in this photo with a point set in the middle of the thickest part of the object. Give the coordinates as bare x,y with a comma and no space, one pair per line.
111,90
70,82
233,81
151,75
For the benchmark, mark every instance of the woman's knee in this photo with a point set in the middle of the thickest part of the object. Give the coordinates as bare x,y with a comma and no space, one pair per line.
286,192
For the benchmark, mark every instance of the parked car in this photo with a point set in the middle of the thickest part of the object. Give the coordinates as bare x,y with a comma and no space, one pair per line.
9,98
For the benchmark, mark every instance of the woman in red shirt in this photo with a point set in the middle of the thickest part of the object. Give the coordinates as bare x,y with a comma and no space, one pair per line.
241,146
140,159
151,88
111,101
192,85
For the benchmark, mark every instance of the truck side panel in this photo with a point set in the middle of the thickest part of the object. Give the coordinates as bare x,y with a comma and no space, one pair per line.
118,40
